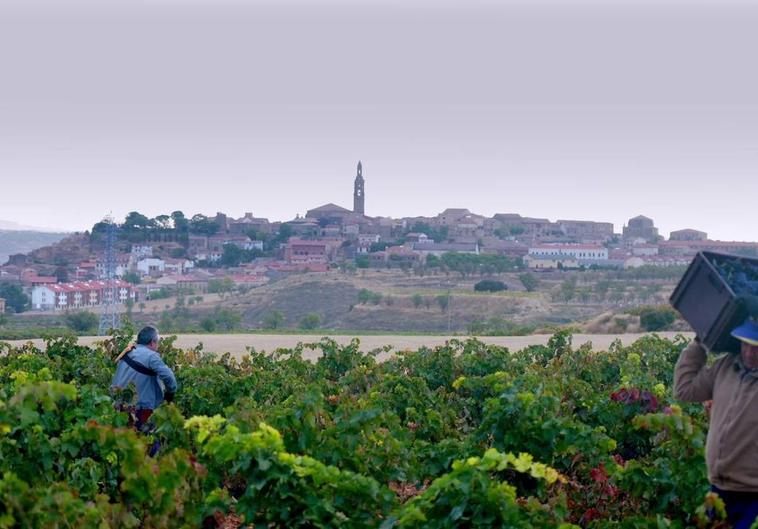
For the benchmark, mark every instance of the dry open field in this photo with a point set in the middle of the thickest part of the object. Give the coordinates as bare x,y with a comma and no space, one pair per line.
237,344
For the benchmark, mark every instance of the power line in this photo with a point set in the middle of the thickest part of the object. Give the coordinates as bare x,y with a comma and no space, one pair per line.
109,318
449,313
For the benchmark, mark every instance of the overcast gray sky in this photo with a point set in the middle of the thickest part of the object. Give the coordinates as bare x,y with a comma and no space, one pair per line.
588,110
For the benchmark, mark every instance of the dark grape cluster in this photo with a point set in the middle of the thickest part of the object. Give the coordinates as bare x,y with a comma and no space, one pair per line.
742,276
642,399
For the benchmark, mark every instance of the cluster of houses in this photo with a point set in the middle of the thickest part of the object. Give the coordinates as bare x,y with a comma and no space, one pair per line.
147,276
335,233
331,234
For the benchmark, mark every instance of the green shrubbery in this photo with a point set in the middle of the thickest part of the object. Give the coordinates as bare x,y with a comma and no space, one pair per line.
490,285
497,326
15,299
529,280
82,321
464,435
367,296
310,320
658,318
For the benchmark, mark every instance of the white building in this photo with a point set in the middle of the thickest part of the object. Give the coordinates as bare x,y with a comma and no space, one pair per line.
123,264
367,239
351,230
420,238
151,266
440,248
178,266
656,260
550,263
140,251
641,250
580,252
254,245
43,298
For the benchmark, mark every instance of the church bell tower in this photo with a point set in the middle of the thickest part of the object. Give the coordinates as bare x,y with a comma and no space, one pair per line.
358,192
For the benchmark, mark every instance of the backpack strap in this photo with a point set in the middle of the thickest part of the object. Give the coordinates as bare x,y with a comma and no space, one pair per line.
139,368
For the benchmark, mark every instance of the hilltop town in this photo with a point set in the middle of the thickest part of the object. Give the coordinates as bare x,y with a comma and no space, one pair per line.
170,254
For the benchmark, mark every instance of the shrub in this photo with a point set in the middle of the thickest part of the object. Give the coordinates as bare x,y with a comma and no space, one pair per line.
529,281
208,324
220,286
443,300
363,295
15,299
132,277
81,321
362,261
418,300
273,319
656,318
490,285
160,293
366,296
227,319
498,326
310,321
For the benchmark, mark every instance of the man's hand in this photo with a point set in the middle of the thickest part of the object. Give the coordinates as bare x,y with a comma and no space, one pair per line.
169,396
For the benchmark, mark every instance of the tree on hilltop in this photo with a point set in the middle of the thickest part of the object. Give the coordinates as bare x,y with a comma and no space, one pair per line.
203,225
136,221
181,224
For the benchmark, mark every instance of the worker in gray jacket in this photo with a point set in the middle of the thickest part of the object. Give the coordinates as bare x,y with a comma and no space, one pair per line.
731,383
142,366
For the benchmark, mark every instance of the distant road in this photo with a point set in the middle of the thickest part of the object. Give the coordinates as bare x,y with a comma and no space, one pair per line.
237,344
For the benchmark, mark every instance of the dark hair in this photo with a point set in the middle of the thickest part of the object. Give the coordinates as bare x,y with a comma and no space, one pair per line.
147,335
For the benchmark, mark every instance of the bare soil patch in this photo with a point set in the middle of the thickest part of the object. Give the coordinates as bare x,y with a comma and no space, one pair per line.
238,344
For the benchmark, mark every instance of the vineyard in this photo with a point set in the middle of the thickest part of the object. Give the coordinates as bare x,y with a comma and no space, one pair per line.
463,435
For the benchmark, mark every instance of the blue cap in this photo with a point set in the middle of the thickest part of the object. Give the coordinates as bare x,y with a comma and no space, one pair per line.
747,332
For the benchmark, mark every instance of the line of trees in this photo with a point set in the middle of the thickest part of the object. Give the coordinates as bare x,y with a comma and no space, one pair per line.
138,227
606,291
467,264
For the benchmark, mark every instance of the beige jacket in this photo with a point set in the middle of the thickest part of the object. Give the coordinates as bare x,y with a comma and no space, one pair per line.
732,445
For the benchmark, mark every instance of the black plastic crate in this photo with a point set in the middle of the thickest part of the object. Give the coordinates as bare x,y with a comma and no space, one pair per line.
707,302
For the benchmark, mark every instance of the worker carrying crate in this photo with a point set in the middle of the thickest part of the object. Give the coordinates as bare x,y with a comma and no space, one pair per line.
717,296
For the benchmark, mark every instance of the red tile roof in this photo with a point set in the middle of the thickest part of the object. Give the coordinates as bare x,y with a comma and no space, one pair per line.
569,246
85,286
297,267
34,278
248,278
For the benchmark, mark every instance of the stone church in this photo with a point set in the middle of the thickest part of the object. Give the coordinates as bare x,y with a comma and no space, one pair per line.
334,214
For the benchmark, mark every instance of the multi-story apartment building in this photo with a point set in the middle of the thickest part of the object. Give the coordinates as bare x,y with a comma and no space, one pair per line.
580,252
80,294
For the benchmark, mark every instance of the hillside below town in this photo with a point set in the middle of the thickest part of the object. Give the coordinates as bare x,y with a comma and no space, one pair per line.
396,301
